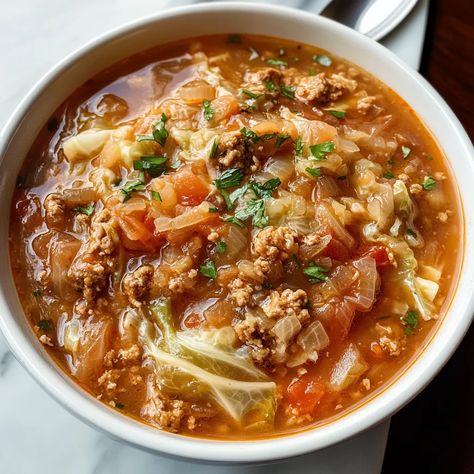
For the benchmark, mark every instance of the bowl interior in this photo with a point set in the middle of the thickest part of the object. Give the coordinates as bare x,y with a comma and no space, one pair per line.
215,18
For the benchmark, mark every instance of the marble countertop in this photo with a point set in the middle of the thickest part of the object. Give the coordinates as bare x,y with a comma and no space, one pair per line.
36,433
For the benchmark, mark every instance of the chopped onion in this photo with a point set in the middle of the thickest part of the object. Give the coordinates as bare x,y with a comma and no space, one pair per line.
313,337
190,218
280,167
286,328
77,196
195,92
364,295
348,368
324,213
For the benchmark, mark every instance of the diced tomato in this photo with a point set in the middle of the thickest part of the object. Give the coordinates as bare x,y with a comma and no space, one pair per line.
377,252
305,393
336,250
191,188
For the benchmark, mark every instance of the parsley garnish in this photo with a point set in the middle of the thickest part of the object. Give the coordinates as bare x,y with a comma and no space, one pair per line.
322,59
429,183
340,114
213,152
411,233
208,112
299,147
155,195
270,85
249,135
159,134
234,220
316,273
131,186
221,246
406,152
411,321
277,63
280,139
287,91
391,161
313,171
388,175
255,208
87,210
208,269
320,150
250,94
213,210
228,202
429,157
45,325
119,405
152,164
36,293
233,39
253,54
229,178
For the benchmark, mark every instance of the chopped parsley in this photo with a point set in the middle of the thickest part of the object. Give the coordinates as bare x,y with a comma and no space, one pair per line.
270,85
152,164
315,172
320,150
249,135
388,175
429,157
322,59
280,139
208,269
234,220
45,325
406,152
87,210
429,183
119,405
213,151
156,196
315,273
295,260
411,233
159,134
299,147
228,202
221,246
208,112
410,321
233,39
391,161
277,63
250,94
37,293
254,208
229,178
287,91
213,210
132,186
340,114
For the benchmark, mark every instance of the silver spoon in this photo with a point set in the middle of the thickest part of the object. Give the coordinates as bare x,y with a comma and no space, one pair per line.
373,18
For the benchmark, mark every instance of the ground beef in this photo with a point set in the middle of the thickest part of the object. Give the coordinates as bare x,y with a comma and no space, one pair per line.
240,292
256,81
137,285
286,303
321,89
365,104
275,243
55,209
183,282
233,151
95,261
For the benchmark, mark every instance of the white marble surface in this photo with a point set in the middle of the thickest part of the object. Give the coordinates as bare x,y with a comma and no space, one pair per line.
36,433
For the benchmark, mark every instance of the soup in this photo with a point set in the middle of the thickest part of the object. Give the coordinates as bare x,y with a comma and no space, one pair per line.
234,236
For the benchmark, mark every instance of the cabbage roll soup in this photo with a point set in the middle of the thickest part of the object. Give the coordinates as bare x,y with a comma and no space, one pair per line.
235,237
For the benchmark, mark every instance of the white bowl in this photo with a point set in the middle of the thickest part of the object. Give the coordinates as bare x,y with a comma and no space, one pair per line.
214,18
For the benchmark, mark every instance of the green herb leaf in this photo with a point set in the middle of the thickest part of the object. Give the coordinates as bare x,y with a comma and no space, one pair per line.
37,293
320,150
208,112
322,59
45,325
406,152
228,202
132,186
429,183
250,94
249,135
221,246
277,63
287,91
411,321
119,405
391,161
256,210
156,196
233,39
234,220
429,157
152,164
229,178
315,273
294,259
208,269
299,147
270,85
411,233
160,134
213,152
388,175
340,114
280,139
213,210
314,171
87,210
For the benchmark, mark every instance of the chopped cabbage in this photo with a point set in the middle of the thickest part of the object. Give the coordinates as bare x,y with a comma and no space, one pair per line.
198,365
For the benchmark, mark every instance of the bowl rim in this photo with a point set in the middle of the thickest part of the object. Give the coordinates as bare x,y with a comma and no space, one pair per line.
407,385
